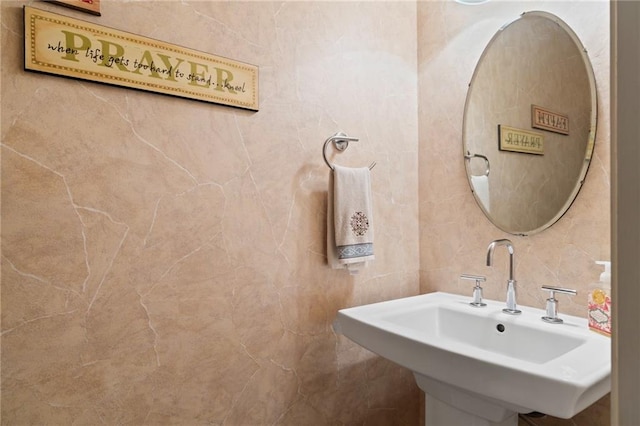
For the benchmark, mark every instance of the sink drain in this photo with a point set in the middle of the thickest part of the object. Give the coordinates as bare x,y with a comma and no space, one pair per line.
500,328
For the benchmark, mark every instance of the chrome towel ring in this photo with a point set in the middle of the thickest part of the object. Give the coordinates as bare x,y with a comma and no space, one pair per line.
340,142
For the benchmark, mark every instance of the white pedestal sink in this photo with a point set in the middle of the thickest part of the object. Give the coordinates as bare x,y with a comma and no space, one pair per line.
480,366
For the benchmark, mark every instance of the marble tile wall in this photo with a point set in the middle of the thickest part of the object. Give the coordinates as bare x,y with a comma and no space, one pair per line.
163,259
454,233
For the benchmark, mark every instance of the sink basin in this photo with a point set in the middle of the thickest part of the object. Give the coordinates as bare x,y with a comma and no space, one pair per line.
483,361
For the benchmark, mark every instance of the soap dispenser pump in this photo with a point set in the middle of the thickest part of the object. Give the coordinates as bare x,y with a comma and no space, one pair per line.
599,303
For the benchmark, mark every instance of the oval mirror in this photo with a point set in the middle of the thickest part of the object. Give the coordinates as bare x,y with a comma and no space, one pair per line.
529,123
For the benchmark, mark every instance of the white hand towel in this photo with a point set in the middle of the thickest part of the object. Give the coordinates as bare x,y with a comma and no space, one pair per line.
349,218
481,188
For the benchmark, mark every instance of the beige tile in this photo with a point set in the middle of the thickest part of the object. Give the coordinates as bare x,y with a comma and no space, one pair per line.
164,259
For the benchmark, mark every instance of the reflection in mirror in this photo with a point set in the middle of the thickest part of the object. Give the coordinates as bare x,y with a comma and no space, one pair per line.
529,123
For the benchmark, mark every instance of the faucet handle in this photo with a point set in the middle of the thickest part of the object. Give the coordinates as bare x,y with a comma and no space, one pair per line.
552,303
477,290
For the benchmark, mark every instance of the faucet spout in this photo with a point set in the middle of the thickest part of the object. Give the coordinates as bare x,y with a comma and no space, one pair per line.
509,245
511,284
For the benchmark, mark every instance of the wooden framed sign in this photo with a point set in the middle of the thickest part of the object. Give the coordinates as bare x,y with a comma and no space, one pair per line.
65,46
542,118
518,140
89,6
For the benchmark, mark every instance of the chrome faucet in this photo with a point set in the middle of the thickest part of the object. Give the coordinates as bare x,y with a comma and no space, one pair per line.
511,284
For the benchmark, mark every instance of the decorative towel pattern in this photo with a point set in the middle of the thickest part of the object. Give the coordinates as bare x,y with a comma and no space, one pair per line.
349,218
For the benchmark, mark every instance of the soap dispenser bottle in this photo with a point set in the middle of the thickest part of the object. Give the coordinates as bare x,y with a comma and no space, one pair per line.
599,303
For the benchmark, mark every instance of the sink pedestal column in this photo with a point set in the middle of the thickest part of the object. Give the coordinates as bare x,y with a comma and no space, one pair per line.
438,413
447,405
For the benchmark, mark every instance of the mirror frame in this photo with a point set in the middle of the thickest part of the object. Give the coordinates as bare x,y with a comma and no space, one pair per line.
590,138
